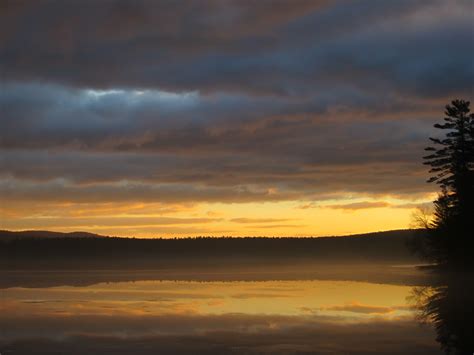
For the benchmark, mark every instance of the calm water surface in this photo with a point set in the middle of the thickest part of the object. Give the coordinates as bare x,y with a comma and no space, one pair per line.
312,316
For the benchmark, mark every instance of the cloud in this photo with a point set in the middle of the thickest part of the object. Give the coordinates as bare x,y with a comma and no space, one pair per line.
105,222
39,116
62,191
54,133
359,205
356,307
250,295
259,220
272,48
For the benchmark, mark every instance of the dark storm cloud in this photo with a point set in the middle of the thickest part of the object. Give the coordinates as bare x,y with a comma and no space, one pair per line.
224,101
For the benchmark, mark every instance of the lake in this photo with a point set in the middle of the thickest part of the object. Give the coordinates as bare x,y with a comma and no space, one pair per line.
269,316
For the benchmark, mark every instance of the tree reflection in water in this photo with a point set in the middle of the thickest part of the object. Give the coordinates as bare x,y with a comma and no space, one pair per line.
449,306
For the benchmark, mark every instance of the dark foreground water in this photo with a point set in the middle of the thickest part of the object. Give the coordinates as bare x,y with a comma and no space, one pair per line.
269,316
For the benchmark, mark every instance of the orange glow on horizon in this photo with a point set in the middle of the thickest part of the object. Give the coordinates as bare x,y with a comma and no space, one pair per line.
272,219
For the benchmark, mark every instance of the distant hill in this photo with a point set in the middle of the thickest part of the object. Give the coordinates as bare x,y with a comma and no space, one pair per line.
4,234
50,250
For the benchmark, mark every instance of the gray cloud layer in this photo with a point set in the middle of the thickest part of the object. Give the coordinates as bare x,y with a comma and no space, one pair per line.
273,47
224,101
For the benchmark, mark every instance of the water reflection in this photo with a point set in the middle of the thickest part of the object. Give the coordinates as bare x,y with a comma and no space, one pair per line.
449,307
185,317
345,299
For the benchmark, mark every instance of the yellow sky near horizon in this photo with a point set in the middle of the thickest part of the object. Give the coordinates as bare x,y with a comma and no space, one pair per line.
273,219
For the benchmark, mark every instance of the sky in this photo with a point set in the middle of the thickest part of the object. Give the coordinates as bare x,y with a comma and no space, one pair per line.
237,118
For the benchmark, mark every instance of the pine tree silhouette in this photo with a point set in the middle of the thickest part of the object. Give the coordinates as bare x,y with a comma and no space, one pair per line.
452,163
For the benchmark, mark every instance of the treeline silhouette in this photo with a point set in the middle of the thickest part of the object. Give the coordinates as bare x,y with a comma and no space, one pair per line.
112,252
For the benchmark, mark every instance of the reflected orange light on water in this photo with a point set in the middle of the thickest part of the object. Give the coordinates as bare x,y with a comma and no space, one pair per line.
341,300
